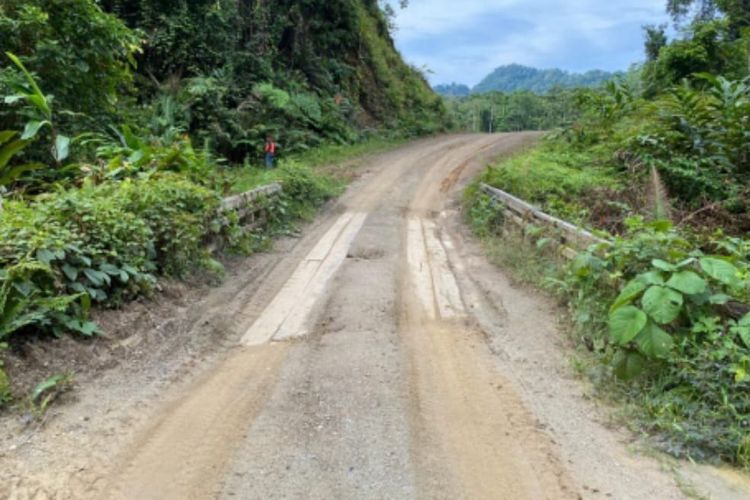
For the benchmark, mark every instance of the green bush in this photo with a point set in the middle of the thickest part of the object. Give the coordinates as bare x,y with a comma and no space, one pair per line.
305,190
668,319
695,134
101,243
178,213
485,216
700,402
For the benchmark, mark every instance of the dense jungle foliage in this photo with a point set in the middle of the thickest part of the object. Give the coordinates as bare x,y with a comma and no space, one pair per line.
123,122
513,112
226,72
659,165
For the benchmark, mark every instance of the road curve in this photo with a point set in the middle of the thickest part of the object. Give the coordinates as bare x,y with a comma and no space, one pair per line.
360,378
379,357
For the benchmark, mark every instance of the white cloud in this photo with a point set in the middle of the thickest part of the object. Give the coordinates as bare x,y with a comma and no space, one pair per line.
465,41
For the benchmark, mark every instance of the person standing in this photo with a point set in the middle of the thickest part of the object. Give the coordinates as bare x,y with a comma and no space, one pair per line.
270,149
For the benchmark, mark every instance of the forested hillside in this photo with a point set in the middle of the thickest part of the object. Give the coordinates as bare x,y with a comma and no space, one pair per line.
513,77
124,121
225,71
452,90
659,164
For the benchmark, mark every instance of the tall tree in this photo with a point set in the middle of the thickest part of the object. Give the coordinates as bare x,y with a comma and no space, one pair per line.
737,12
656,38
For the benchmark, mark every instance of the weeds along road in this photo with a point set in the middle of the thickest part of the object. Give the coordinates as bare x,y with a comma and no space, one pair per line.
378,356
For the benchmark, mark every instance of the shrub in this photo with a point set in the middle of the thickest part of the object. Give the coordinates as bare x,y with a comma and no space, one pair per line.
100,243
179,214
675,331
303,189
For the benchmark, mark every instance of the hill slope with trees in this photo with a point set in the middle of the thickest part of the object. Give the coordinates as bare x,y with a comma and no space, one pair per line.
515,77
452,90
231,71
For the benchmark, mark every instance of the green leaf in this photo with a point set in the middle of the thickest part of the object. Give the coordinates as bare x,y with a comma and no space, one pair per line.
85,304
661,226
88,328
663,265
25,288
700,299
45,256
37,97
32,128
8,151
62,148
720,270
96,294
630,292
719,299
129,269
686,262
662,304
542,243
651,278
688,283
626,323
654,342
11,174
110,269
7,135
5,392
47,385
628,365
97,278
743,330
12,99
70,272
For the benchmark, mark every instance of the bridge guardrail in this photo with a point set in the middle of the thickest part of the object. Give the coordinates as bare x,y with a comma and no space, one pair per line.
572,237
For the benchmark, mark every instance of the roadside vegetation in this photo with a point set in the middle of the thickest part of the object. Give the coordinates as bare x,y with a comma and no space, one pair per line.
658,165
514,111
123,123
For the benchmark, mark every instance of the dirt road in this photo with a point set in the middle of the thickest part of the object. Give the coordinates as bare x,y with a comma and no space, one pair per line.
378,356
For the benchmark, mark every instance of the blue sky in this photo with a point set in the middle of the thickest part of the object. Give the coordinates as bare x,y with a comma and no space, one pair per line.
464,40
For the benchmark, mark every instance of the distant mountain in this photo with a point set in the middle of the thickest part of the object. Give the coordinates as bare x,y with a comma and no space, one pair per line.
517,77
452,90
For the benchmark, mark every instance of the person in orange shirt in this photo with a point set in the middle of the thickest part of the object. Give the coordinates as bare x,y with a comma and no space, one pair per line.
270,150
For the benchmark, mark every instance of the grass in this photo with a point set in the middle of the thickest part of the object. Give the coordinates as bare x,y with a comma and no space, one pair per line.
329,160
511,252
559,182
